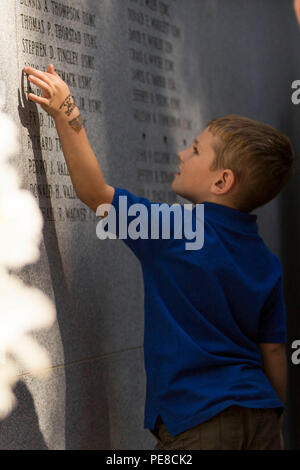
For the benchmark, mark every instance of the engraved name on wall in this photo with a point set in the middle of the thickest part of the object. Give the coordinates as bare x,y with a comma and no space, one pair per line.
54,32
157,108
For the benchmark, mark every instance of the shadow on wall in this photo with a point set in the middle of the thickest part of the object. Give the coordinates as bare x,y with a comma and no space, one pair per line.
20,431
290,250
290,232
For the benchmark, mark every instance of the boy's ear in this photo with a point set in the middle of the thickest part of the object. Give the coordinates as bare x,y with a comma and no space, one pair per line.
224,182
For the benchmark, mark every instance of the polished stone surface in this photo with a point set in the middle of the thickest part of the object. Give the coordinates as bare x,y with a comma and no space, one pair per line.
148,76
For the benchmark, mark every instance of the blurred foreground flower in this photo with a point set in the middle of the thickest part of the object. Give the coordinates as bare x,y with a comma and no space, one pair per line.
22,308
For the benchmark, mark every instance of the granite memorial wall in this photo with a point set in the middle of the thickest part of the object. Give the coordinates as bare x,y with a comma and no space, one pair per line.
147,75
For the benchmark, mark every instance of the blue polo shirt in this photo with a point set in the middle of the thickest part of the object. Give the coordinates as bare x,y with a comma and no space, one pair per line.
206,310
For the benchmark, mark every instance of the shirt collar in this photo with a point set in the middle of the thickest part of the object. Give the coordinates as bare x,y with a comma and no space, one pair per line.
229,217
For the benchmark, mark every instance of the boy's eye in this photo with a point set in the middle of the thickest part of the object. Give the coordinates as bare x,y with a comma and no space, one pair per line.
196,150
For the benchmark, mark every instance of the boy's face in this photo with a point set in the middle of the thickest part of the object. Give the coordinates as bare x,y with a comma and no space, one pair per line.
195,181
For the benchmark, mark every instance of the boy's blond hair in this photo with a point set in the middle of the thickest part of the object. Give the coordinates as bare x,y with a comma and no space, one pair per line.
261,158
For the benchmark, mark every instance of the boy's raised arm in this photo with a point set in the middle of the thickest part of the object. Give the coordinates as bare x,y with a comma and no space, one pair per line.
84,169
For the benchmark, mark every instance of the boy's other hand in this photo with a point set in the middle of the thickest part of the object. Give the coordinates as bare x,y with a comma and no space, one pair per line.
281,431
297,10
56,98
281,440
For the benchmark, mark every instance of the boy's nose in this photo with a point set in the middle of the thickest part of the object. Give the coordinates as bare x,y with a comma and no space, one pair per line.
180,156
184,154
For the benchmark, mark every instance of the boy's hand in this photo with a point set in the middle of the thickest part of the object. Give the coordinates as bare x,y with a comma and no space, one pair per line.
85,172
56,98
281,440
281,431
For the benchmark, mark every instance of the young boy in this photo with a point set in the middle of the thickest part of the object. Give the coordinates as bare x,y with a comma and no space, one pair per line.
215,329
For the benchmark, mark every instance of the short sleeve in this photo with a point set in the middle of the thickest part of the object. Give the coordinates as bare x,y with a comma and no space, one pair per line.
273,317
137,221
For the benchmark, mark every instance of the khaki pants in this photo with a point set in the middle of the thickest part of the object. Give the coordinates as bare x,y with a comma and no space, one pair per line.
235,428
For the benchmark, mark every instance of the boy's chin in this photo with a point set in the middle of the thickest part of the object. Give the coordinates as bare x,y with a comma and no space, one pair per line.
182,194
175,189
179,193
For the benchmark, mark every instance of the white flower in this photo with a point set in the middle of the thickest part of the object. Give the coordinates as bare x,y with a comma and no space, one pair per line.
20,225
9,143
22,308
8,378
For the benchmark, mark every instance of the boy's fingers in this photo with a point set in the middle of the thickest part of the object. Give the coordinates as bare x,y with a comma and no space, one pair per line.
51,70
52,67
38,99
40,84
37,73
